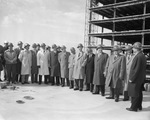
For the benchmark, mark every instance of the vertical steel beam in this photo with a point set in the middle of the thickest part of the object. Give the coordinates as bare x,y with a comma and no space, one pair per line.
143,27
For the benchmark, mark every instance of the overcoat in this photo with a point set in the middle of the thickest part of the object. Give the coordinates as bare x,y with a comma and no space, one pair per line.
89,69
115,71
100,63
43,60
128,66
137,74
63,60
1,57
34,68
54,63
18,66
79,66
25,57
71,66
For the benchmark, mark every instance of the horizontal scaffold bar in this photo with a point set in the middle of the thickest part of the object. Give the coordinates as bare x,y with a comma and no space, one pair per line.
122,47
117,5
121,33
119,19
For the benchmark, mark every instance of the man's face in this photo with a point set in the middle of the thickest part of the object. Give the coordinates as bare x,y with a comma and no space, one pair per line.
80,48
99,50
27,47
129,52
20,45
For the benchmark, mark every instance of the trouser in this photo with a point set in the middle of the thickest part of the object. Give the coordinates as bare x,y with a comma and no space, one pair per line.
25,78
63,81
18,78
115,92
125,93
53,80
89,86
34,78
11,72
5,71
71,83
45,79
136,102
99,88
79,83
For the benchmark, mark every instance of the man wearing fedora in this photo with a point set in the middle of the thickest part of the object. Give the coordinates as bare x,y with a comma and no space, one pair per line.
64,70
55,66
99,68
11,60
34,68
18,65
136,77
43,63
89,70
115,72
79,68
25,57
129,56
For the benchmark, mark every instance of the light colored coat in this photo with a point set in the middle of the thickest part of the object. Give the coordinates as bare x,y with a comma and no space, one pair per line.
128,66
25,57
43,60
63,60
71,66
115,71
79,67
99,68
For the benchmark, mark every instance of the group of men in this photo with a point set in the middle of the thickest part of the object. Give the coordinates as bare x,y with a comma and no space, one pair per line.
78,69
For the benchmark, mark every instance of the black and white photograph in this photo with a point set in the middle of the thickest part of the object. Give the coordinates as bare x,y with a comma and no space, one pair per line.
74,59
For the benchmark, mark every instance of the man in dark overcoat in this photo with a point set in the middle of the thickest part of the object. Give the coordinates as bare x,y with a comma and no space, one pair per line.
136,78
54,65
1,59
89,70
18,65
100,63
115,73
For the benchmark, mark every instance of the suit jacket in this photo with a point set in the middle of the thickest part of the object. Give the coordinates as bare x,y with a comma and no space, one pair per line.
137,74
115,71
100,63
89,69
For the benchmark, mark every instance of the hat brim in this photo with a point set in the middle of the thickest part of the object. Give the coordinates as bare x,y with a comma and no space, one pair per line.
80,46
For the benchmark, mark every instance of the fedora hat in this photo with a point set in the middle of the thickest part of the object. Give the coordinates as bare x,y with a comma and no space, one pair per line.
137,45
116,48
54,46
43,45
10,44
80,45
99,47
26,44
128,47
20,42
34,45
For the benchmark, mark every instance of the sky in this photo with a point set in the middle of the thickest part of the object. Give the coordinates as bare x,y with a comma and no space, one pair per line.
36,21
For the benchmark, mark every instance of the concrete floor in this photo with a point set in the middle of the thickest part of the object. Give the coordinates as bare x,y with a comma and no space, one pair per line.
57,103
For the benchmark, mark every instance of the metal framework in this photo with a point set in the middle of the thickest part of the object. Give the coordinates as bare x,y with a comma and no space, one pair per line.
127,20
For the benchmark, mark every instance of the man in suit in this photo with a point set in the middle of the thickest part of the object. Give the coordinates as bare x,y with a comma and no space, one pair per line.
18,65
54,65
89,70
114,72
11,60
64,70
129,56
1,59
136,78
79,68
100,63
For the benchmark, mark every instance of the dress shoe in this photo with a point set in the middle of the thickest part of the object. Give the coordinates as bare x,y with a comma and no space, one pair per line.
130,109
95,93
76,88
140,108
116,100
125,99
102,94
109,97
80,89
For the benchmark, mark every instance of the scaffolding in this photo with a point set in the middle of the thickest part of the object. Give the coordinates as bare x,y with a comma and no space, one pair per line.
127,21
